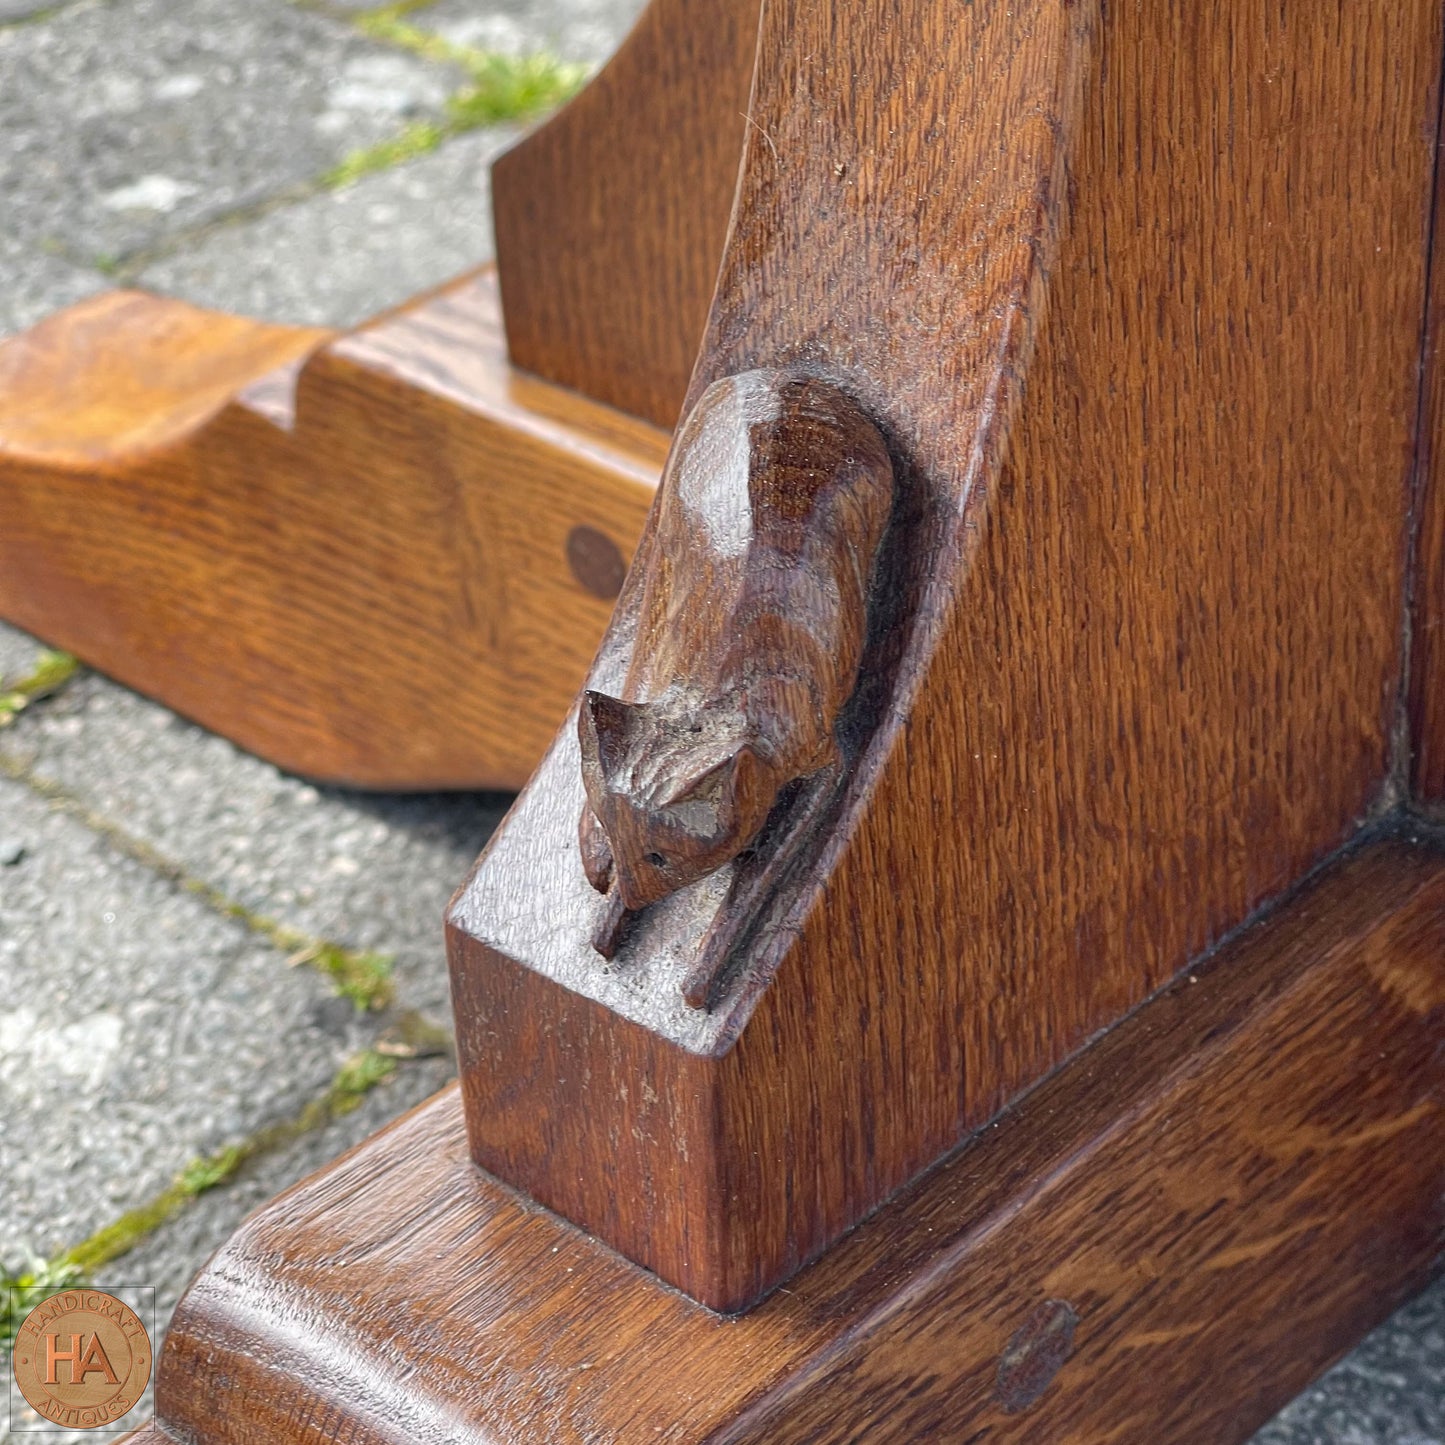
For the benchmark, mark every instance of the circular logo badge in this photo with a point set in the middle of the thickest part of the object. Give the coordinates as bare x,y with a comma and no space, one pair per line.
82,1358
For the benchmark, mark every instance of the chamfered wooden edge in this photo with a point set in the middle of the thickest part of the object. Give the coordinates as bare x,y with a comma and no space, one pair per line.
381,559
1425,690
1159,1246
611,216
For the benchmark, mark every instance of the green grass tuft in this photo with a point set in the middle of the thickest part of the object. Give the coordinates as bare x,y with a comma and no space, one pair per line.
356,1078
418,139
22,1290
506,88
499,88
50,673
363,977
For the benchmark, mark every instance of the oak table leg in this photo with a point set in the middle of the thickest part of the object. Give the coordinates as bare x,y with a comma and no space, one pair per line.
976,1131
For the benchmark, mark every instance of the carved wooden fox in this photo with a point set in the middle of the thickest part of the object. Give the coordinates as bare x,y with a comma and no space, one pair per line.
750,634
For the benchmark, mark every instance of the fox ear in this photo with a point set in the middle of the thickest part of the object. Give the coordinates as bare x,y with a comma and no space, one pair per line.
605,727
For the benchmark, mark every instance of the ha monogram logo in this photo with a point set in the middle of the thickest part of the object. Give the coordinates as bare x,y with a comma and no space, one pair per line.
82,1359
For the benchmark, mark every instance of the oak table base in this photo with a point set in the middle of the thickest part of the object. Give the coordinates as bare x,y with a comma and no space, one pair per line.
1162,1243
291,537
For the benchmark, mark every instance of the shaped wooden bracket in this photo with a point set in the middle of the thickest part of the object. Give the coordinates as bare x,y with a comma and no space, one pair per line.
294,537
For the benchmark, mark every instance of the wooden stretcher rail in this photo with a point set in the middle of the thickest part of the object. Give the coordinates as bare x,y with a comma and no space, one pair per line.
381,558
1162,1243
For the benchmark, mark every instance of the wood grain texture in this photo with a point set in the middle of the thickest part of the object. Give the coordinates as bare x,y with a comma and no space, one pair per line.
1425,697
168,368
611,217
1136,296
1224,1192
358,567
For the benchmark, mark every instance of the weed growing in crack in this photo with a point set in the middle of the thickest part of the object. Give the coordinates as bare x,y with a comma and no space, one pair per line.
24,1289
500,88
51,673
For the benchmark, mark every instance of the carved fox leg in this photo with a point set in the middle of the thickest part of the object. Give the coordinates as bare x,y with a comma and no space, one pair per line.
597,864
756,874
596,851
612,924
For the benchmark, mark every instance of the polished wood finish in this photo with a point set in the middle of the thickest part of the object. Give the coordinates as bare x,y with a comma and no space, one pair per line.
730,725
293,538
168,369
1145,347
1156,1247
611,217
1423,725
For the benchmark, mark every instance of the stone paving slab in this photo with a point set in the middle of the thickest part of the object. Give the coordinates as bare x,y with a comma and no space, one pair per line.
130,122
581,30
33,283
338,258
19,652
366,870
139,1030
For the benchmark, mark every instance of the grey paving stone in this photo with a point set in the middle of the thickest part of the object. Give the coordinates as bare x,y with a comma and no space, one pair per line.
168,1260
1390,1391
13,10
19,652
585,30
127,122
34,282
366,870
340,257
138,1030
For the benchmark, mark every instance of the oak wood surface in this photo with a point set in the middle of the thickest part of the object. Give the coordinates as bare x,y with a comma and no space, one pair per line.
1135,293
611,217
1158,1246
1425,698
294,539
171,368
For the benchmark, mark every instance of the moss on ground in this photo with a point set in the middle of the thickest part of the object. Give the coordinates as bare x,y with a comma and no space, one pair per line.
499,89
40,1278
51,672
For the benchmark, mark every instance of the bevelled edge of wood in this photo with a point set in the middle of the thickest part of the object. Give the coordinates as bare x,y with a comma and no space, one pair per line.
1222,1194
452,343
125,373
364,565
611,216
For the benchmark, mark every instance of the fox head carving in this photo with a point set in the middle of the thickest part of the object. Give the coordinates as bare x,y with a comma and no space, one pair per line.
679,788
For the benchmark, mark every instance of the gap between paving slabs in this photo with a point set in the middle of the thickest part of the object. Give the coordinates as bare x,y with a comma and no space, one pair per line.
362,977
500,89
